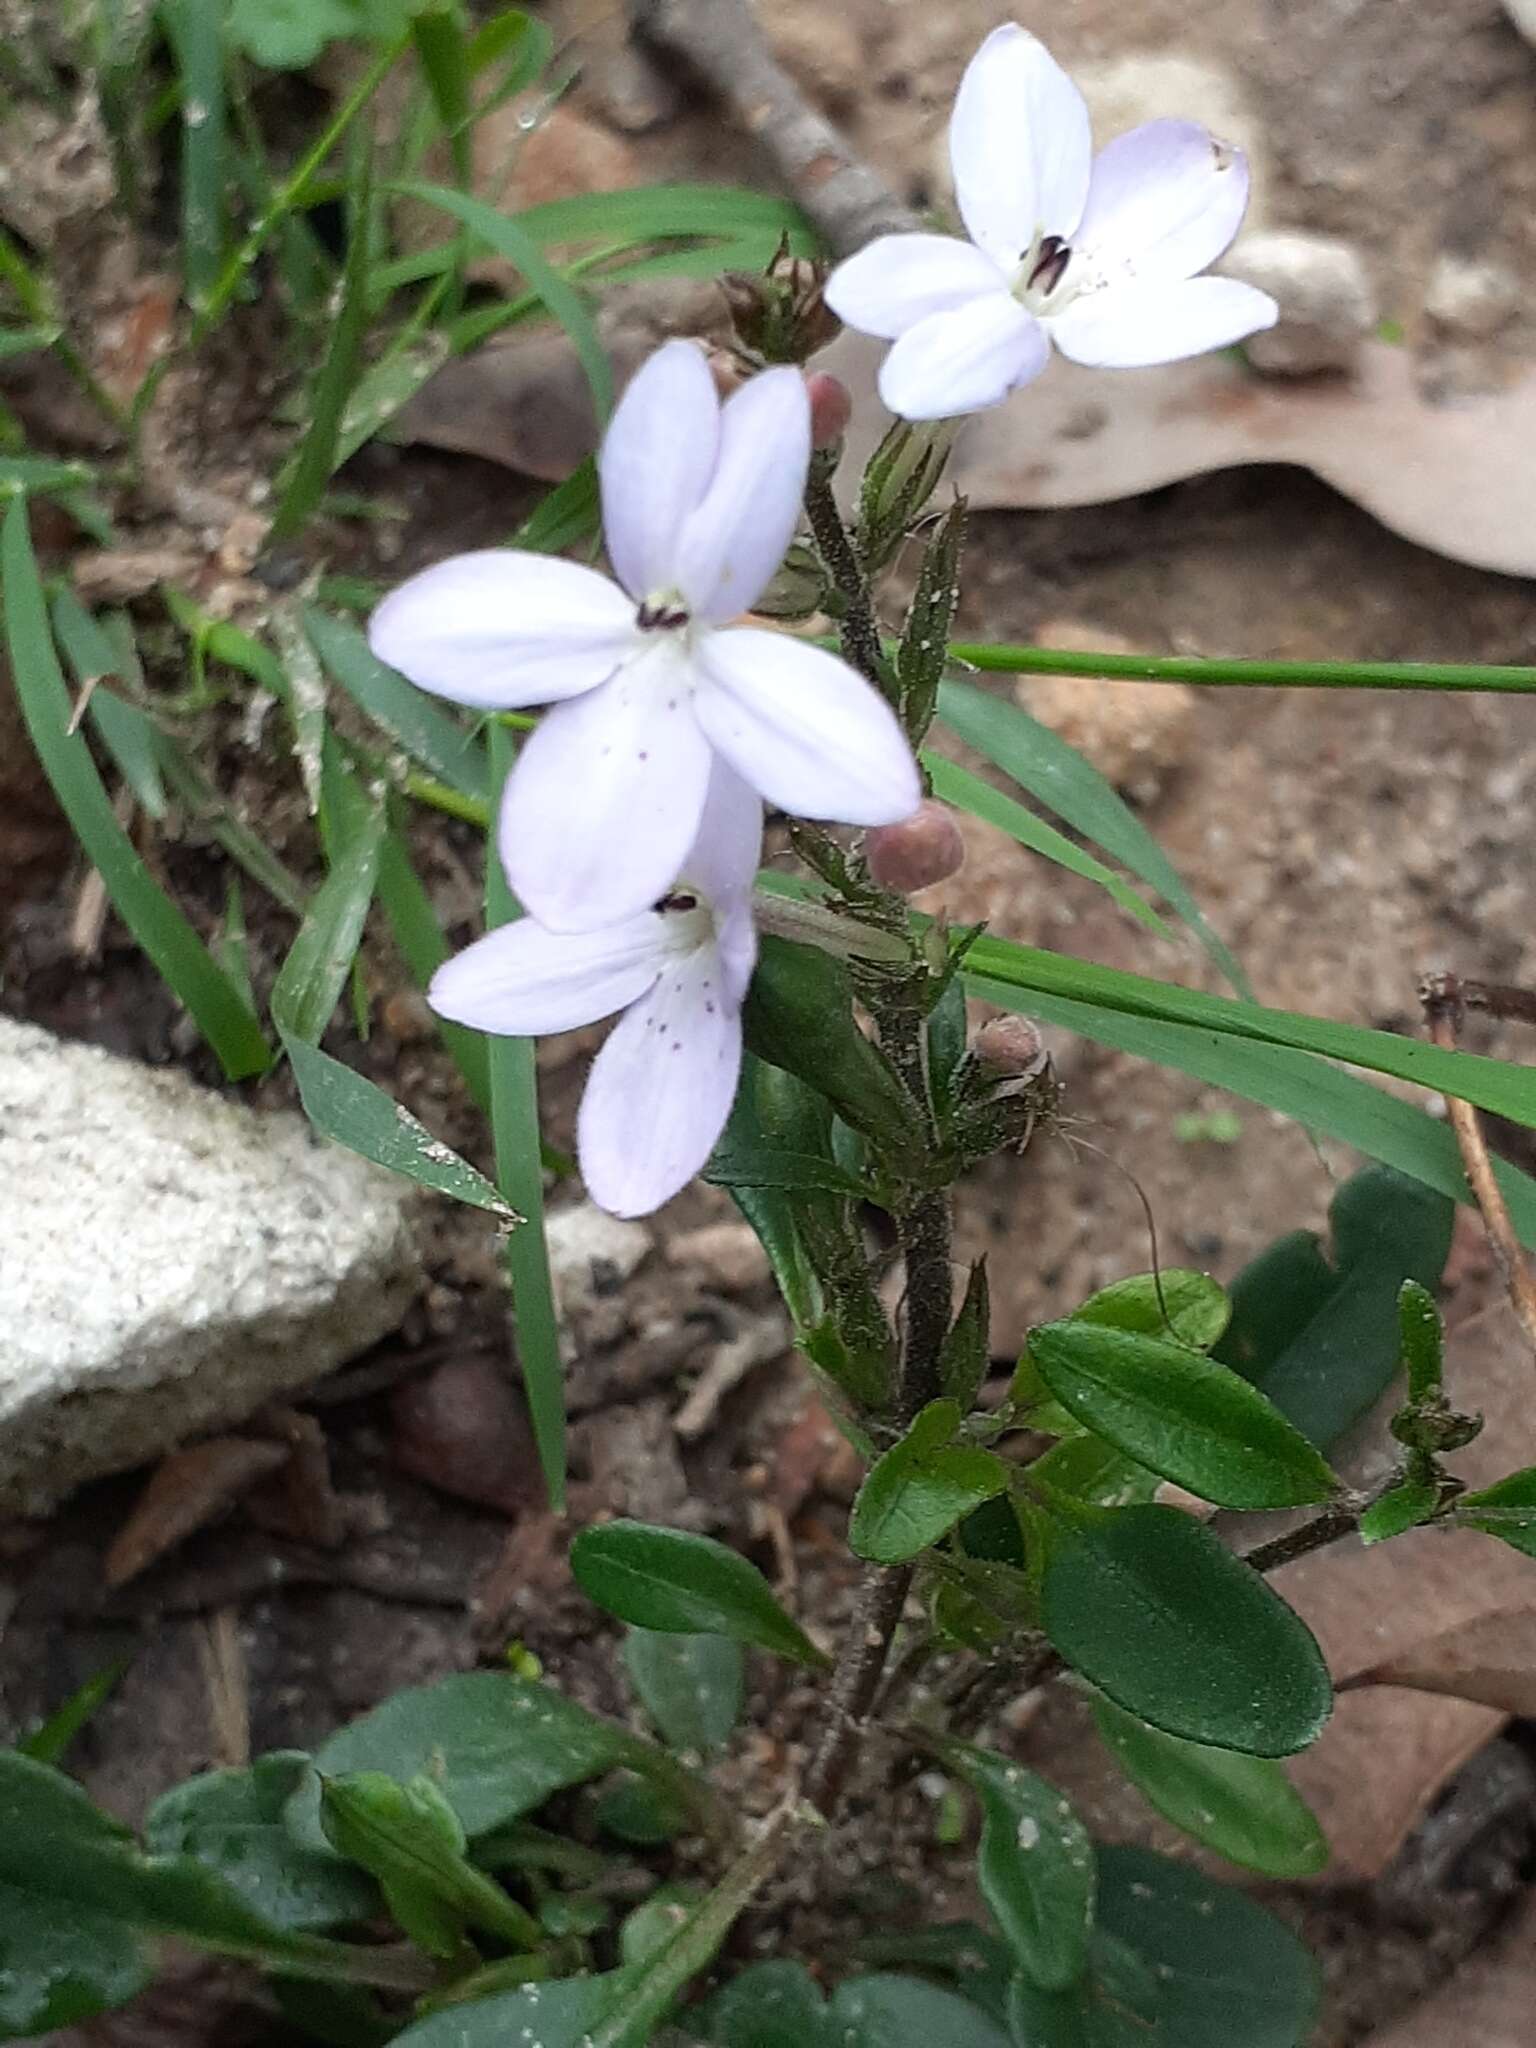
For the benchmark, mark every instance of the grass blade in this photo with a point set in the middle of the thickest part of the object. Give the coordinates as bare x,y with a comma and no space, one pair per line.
406,714
311,979
196,36
520,1176
570,513
1298,1084
509,238
419,937
155,922
957,785
1249,675
1057,775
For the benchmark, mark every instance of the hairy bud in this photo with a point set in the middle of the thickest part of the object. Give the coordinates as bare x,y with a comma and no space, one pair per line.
919,851
1011,1046
779,313
831,408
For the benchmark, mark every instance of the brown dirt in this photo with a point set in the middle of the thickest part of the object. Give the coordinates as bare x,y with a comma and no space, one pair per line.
1342,843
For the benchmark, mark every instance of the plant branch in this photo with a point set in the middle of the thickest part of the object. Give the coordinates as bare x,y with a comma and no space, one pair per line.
1443,1001
855,1682
1339,1519
720,41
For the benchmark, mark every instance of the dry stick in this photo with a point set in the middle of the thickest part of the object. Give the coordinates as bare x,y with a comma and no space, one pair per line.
1444,998
720,41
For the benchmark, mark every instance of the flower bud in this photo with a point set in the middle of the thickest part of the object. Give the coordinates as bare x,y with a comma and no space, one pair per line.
831,408
779,313
919,851
1010,1046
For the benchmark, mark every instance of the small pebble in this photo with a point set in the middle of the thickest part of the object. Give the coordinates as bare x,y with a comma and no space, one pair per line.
1327,304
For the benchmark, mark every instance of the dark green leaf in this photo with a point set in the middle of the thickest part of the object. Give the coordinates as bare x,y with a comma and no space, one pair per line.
340,2015
1385,1229
1418,1323
1034,1865
496,1745
1180,1413
672,1580
921,1487
792,1171
636,1811
561,2015
350,1109
690,1685
967,1349
1512,1505
1244,1806
1089,1469
1189,1307
778,2005
232,1821
1401,1507
1146,1603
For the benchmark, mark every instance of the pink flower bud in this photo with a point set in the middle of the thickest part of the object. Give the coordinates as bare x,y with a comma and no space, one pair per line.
921,850
1010,1045
831,408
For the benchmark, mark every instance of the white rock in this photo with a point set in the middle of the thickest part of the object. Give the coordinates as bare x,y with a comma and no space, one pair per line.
591,1253
1327,305
171,1260
1471,298
1523,14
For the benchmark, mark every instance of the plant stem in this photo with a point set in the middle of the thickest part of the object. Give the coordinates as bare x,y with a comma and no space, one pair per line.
856,1680
860,633
1341,1519
1302,675
35,303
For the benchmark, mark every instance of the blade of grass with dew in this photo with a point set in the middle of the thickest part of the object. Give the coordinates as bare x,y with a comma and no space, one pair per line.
1058,776
423,947
196,34
315,459
398,708
156,924
385,388
523,48
509,239
311,979
956,785
1299,1085
230,947
1498,1085
520,1176
1264,675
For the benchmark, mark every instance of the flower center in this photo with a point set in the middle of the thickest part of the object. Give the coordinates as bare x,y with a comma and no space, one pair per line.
1041,283
690,918
663,612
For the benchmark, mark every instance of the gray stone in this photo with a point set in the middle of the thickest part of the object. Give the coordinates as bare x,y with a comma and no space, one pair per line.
1469,297
171,1261
1523,14
1327,306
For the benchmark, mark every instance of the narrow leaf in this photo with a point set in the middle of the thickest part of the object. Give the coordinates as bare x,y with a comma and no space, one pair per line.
406,714
311,979
672,1580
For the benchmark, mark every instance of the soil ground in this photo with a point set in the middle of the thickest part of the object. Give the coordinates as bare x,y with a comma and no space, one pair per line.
1342,842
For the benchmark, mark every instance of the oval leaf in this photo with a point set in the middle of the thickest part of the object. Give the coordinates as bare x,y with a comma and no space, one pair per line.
691,1686
1179,1303
1181,1414
690,1585
1243,1806
1147,1604
921,1487
1035,1866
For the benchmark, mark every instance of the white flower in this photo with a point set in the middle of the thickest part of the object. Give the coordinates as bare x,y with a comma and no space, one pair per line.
1098,255
700,502
662,1086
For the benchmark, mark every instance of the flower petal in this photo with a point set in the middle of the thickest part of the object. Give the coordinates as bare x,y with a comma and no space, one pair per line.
606,797
656,461
522,980
1163,202
734,541
660,1089
802,727
1129,327
500,628
723,860
1020,145
897,280
963,361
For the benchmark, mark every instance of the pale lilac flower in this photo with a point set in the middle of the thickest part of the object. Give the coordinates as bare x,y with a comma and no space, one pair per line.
662,1086
648,684
1098,255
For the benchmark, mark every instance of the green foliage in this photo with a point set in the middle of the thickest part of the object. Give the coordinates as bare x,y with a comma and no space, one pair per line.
778,2005
967,1349
1418,1322
691,1686
684,1584
1507,1510
922,1487
799,1016
1159,1614
1243,1806
1180,1414
1034,1865
1322,1341
1186,1306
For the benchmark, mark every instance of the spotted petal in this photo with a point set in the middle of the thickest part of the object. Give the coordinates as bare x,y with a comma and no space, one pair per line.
963,361
657,459
897,280
661,1089
1020,146
1130,327
804,729
1164,201
500,629
606,797
522,980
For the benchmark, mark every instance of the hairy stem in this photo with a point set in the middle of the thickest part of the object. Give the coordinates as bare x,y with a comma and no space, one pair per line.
856,1680
859,631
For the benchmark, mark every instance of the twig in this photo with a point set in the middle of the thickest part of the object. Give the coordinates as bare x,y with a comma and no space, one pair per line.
855,1682
1341,1519
1444,999
721,41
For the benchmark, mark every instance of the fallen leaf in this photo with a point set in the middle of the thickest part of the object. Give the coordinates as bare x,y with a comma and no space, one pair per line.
1491,1660
187,1491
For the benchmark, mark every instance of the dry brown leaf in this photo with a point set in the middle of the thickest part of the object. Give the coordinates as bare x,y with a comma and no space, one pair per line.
1492,1660
1453,477
188,1490
1488,2003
